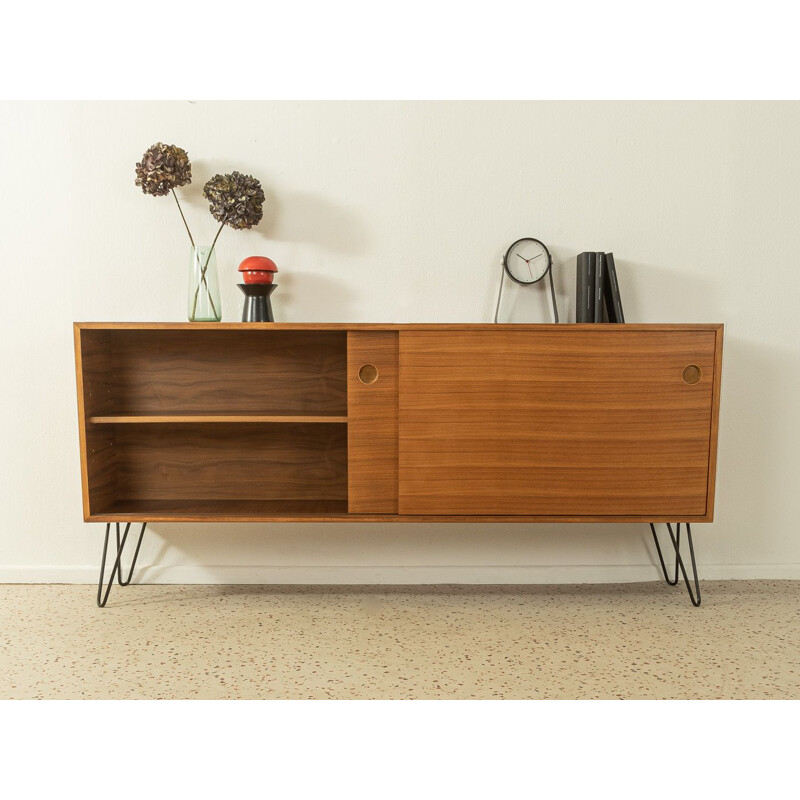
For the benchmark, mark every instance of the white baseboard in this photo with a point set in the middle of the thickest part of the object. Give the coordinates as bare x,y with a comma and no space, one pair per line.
366,575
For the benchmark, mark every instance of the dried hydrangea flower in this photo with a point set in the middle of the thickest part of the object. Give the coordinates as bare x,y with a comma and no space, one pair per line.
235,199
162,168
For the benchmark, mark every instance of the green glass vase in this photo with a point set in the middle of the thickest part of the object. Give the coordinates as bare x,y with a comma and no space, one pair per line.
204,300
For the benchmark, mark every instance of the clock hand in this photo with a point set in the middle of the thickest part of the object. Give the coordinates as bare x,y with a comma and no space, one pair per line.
523,258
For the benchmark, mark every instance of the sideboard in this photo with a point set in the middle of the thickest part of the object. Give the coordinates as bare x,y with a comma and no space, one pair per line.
280,422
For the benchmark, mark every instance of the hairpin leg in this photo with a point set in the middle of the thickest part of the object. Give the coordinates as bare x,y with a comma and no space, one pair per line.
679,565
116,570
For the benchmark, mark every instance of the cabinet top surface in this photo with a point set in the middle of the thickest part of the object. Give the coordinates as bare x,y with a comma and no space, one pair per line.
368,326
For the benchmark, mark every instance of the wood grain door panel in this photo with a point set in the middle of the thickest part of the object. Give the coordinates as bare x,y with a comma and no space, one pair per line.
554,422
372,422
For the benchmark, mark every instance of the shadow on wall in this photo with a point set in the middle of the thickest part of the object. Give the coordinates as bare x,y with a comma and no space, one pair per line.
288,216
311,219
435,547
636,278
755,412
322,297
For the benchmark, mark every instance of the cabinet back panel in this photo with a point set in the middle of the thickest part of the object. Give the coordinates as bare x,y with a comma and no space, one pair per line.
565,422
230,462
228,371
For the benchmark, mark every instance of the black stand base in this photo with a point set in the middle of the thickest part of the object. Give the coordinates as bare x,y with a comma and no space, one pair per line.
116,570
257,307
676,543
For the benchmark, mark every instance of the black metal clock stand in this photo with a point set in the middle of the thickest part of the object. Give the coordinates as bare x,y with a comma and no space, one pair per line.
676,543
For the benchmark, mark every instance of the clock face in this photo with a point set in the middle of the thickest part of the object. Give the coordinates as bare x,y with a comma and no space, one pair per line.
527,261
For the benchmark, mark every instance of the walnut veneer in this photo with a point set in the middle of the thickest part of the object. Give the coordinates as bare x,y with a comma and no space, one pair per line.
348,422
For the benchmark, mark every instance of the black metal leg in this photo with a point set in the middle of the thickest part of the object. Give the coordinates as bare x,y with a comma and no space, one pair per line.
116,570
674,581
679,565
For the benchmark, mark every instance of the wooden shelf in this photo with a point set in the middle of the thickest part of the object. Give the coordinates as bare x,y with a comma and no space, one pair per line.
238,509
151,417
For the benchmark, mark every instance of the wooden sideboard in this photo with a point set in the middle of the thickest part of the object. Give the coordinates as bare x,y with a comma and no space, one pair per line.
356,422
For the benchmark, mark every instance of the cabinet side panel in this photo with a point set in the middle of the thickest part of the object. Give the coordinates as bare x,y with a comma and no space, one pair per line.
372,422
93,368
76,331
712,455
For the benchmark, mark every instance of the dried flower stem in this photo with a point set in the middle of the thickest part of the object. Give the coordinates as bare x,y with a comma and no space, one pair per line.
182,217
203,275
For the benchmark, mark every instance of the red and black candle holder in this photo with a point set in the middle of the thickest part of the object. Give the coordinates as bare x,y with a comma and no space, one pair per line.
258,273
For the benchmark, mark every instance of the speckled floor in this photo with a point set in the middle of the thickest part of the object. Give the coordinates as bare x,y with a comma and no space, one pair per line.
633,641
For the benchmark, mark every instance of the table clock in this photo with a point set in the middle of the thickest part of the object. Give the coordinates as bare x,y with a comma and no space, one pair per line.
526,262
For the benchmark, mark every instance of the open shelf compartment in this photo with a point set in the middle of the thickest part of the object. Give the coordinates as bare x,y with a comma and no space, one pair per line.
178,373
261,468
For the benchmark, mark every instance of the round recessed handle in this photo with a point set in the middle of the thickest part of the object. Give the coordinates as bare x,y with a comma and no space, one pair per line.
692,374
368,374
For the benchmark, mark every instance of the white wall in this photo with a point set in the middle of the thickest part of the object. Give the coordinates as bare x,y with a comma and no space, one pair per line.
399,212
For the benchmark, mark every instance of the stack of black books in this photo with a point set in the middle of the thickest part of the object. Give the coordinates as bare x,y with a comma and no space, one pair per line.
598,289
